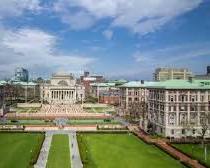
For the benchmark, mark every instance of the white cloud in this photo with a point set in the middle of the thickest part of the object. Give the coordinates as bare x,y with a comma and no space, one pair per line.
139,16
36,50
108,34
10,8
173,54
78,21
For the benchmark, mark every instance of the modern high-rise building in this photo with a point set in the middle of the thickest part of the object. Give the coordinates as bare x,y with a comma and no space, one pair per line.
21,74
162,74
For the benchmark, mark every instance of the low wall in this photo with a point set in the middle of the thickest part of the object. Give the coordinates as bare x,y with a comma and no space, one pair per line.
29,105
94,105
66,128
53,116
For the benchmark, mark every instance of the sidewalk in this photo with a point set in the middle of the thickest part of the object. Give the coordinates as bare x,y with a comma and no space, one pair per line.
74,150
161,143
43,156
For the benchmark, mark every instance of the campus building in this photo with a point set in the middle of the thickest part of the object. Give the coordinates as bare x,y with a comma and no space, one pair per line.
162,74
133,92
62,89
178,108
106,93
88,78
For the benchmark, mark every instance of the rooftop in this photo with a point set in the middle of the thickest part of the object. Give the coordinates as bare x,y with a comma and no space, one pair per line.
182,84
133,84
103,84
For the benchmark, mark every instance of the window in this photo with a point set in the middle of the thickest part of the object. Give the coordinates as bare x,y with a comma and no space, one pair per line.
172,132
193,131
182,98
202,98
183,131
203,108
129,99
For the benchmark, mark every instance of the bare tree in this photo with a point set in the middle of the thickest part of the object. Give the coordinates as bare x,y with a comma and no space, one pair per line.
138,110
204,122
204,118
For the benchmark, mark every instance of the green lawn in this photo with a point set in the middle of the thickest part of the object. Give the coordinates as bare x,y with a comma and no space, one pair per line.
123,151
27,122
196,151
27,109
94,121
18,150
59,155
99,109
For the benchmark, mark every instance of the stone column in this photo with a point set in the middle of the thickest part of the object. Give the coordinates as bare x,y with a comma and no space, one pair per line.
188,106
177,108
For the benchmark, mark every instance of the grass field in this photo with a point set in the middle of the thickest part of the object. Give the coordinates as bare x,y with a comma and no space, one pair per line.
19,150
99,109
27,122
123,151
93,121
196,151
27,109
59,155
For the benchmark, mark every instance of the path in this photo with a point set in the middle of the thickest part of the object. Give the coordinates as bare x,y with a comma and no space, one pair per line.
43,156
73,145
122,121
161,143
75,155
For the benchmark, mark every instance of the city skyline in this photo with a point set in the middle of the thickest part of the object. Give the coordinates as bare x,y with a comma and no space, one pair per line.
114,38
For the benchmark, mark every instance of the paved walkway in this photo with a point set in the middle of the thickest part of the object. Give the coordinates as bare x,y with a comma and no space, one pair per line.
73,145
168,148
122,121
74,150
43,156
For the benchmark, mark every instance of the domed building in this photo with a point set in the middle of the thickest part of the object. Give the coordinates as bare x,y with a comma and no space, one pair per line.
62,89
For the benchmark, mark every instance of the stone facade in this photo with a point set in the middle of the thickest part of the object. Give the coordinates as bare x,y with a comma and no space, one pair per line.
162,74
130,93
62,89
179,111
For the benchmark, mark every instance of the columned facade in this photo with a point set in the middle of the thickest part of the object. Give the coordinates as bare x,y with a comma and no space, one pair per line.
62,89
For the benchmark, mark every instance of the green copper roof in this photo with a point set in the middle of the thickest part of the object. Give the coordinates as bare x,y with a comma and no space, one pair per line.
181,84
133,84
103,84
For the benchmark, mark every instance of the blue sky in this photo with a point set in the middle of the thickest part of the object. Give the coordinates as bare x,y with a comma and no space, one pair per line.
116,38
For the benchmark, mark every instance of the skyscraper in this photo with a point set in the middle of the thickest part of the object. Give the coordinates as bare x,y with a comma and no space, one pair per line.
21,74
